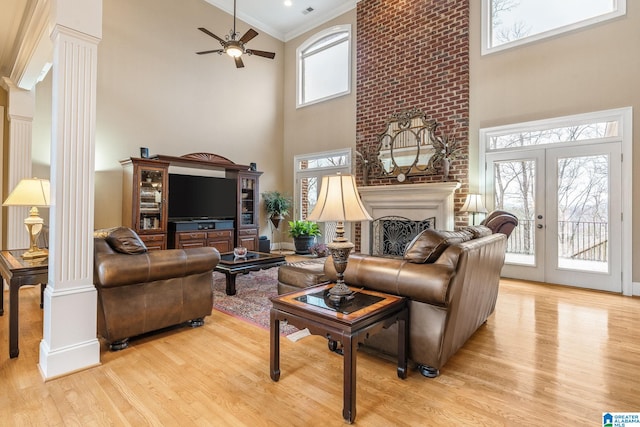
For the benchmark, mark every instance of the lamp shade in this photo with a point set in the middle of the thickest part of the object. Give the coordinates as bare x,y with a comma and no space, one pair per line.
473,204
30,192
339,201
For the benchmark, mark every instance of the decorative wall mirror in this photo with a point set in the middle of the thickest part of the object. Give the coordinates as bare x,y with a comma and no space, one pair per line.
406,146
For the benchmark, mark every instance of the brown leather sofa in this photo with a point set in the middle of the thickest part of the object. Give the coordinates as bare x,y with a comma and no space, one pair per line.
140,291
451,280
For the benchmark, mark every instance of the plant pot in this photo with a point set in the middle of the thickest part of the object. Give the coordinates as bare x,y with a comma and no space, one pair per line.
275,220
303,243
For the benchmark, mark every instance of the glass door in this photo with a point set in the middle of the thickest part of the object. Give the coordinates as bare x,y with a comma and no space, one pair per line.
568,204
517,183
151,212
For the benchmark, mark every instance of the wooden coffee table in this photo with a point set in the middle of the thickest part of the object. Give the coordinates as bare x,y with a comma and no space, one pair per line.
231,265
368,313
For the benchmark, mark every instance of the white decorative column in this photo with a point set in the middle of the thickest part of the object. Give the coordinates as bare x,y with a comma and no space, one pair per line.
20,113
70,342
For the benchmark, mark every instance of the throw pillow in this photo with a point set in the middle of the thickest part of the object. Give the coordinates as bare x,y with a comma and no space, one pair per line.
126,241
427,246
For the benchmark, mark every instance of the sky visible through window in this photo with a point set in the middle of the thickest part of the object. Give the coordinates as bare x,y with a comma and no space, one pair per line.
515,19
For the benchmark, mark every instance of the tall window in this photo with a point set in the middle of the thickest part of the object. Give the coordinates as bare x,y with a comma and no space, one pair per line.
324,66
507,23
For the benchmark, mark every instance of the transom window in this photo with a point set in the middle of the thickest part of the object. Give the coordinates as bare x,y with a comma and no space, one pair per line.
324,66
508,23
554,134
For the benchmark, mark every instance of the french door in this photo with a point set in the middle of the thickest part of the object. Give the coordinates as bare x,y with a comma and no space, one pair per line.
568,202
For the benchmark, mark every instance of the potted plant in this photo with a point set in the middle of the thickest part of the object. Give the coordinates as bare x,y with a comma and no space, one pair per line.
277,206
304,234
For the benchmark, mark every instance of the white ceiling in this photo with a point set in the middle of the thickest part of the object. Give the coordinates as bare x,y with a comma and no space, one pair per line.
285,22
269,16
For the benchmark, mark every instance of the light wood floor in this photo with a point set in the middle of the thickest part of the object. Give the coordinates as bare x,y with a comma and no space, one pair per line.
548,356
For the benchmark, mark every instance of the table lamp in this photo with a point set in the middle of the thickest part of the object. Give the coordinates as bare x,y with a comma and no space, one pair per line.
473,204
32,192
339,201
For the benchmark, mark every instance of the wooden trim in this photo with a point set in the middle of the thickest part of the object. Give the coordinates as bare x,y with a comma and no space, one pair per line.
202,160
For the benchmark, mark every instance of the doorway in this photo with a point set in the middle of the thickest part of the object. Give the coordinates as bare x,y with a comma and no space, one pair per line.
563,179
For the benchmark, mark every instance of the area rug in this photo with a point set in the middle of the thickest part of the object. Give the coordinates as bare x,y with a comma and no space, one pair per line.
251,301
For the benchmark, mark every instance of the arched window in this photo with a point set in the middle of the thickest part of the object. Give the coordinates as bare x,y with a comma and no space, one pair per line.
324,66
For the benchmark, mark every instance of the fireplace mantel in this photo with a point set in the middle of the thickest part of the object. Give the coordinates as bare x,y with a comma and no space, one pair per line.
413,201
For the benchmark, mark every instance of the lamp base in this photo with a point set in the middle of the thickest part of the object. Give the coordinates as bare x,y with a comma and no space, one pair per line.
340,249
339,293
35,253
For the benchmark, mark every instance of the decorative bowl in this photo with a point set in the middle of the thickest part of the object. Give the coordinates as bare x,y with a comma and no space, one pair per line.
240,252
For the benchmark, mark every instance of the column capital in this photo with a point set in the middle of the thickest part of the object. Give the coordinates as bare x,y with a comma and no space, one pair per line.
21,103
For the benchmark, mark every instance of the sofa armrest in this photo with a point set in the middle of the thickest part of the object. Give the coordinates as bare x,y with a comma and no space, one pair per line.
115,269
420,282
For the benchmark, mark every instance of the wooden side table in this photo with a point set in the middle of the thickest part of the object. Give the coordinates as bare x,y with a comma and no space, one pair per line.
368,313
18,272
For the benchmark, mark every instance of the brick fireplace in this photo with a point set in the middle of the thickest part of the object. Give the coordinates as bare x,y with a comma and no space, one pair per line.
413,54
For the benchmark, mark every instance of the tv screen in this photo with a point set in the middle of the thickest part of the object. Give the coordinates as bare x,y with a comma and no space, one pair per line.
200,197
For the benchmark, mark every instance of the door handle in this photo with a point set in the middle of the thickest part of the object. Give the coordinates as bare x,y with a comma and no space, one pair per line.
539,226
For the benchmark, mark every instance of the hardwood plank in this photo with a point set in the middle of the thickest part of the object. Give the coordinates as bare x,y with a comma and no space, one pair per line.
549,355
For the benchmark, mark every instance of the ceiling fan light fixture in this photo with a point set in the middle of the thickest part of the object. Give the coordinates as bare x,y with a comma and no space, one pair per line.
234,51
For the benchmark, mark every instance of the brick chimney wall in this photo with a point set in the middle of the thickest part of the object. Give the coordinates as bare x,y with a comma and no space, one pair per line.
413,54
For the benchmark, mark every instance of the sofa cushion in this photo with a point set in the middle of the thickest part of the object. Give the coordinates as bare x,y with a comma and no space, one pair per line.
126,241
427,246
478,230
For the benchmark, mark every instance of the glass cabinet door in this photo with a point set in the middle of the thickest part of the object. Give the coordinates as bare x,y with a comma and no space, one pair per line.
151,199
248,189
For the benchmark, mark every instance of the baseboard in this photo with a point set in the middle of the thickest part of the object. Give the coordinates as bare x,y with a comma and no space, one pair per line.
635,288
64,361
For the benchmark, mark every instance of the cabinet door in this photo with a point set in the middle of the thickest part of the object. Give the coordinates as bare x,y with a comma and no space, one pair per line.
188,239
222,240
150,199
248,195
248,238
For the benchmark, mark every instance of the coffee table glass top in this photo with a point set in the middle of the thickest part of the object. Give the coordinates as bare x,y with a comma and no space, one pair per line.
230,258
349,305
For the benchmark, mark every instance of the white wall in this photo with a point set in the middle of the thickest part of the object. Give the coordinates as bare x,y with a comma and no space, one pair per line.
592,69
155,92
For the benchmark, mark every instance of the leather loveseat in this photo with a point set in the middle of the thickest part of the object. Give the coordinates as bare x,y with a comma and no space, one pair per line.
451,279
140,291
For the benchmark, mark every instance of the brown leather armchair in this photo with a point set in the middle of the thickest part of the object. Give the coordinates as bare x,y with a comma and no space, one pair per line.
141,291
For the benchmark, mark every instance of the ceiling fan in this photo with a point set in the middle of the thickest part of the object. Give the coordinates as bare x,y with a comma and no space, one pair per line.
235,47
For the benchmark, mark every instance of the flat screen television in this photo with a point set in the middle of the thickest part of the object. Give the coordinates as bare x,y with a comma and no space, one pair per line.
201,197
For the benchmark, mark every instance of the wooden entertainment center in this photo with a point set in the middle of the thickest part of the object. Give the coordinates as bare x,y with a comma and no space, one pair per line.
146,199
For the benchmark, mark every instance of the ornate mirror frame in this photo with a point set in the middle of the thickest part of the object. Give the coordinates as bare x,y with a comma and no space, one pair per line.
406,147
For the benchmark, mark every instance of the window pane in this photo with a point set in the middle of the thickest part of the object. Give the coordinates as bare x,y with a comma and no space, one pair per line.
555,135
515,183
583,213
325,73
326,41
516,19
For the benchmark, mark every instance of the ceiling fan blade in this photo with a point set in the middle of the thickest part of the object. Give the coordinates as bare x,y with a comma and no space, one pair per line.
250,34
262,53
209,33
210,51
239,63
